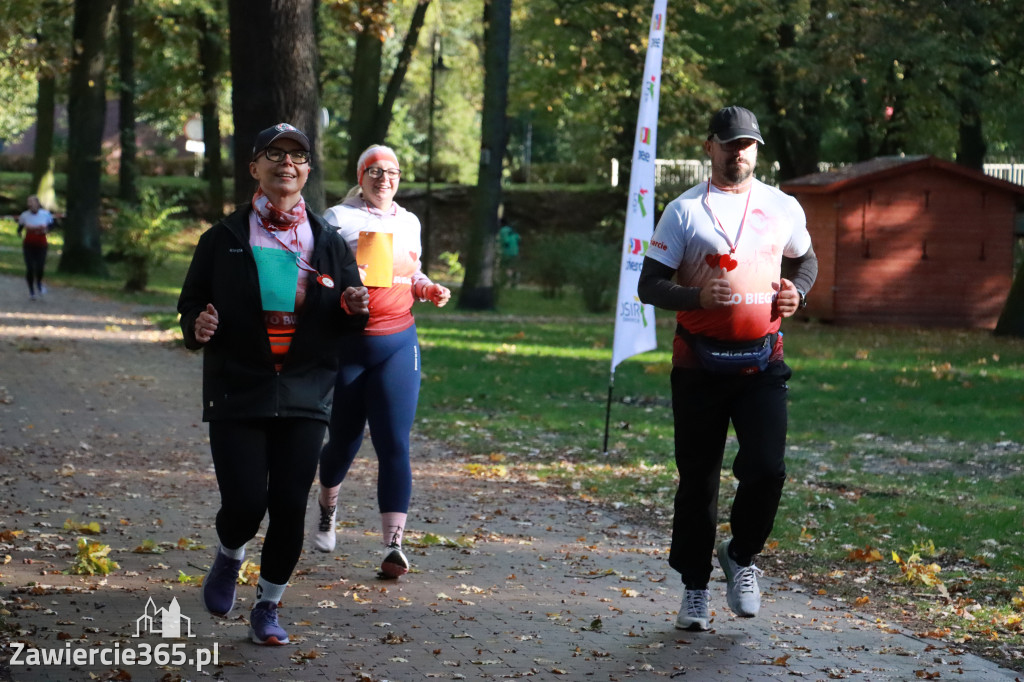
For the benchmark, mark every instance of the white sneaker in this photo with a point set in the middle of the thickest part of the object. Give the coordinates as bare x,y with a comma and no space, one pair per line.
693,612
325,538
395,564
741,591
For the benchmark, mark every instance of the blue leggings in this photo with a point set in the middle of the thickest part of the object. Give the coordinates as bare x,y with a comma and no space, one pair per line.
378,383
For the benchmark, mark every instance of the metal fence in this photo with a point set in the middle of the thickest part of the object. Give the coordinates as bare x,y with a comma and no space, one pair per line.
687,172
1011,172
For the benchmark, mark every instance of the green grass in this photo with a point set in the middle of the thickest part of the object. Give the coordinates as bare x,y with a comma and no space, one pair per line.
900,438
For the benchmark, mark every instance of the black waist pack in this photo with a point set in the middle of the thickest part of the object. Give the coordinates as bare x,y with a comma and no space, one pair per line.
730,357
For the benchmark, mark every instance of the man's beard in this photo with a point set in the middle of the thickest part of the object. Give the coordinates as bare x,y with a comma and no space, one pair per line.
737,173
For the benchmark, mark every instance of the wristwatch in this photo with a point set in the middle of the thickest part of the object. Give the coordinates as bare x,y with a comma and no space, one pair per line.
803,298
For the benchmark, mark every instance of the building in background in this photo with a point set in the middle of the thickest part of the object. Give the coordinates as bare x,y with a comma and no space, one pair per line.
910,240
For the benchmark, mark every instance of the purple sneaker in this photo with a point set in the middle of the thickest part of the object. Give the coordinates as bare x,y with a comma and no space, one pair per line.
219,585
263,627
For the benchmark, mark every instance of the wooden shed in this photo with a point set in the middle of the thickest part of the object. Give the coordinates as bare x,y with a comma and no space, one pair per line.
910,240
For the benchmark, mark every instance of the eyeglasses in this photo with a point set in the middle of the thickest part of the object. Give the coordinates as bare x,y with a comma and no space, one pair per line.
299,156
377,173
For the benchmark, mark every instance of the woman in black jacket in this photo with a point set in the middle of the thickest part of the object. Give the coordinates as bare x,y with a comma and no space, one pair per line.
270,290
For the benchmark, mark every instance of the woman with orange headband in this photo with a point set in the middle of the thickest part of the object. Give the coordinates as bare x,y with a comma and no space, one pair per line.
379,379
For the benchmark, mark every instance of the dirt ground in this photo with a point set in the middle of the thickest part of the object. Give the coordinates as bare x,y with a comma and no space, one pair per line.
100,424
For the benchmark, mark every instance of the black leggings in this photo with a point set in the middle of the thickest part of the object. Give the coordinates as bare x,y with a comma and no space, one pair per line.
35,263
703,405
266,465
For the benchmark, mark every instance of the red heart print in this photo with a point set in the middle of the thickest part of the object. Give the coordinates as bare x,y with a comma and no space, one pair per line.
712,259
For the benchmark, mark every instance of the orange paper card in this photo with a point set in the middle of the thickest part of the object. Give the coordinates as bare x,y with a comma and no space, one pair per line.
375,258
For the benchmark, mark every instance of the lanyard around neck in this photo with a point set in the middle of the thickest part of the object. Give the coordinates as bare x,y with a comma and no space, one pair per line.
303,264
718,223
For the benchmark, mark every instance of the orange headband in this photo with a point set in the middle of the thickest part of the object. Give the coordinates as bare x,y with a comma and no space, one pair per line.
378,154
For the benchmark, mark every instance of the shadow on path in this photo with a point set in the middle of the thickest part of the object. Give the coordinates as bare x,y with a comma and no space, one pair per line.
99,422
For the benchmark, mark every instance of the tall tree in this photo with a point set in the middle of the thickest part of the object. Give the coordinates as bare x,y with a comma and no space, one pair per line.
1011,319
211,50
128,173
86,111
575,89
793,100
274,71
370,116
51,27
42,153
478,286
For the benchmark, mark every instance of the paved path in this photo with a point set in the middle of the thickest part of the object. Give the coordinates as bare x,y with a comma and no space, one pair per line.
99,422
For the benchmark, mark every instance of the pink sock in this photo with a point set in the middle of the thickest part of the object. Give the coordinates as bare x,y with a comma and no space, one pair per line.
329,496
393,525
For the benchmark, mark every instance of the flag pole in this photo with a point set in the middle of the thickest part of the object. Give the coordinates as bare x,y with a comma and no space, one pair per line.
608,410
634,320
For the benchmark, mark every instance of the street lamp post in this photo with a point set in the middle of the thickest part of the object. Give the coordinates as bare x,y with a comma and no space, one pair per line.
436,65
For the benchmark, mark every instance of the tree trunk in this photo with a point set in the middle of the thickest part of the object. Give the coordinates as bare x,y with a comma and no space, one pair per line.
369,116
211,52
42,152
129,167
864,122
274,66
895,138
86,110
478,286
971,146
794,137
1011,320
365,98
46,99
383,119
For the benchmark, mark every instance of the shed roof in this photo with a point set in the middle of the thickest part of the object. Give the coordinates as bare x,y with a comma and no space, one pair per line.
884,167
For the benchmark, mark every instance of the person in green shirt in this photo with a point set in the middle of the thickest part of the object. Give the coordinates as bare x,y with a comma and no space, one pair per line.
508,248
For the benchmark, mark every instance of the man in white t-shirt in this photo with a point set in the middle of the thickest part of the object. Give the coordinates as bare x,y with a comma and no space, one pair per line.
717,257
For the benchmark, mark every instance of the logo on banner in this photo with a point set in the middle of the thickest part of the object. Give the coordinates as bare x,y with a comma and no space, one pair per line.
633,312
634,332
634,247
639,201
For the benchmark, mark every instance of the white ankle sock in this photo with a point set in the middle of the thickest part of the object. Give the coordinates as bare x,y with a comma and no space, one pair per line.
236,554
268,591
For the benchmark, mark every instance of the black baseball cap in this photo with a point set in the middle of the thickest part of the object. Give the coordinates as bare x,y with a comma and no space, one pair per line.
732,123
285,131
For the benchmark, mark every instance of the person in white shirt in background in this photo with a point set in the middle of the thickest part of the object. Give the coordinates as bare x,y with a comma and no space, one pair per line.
36,222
